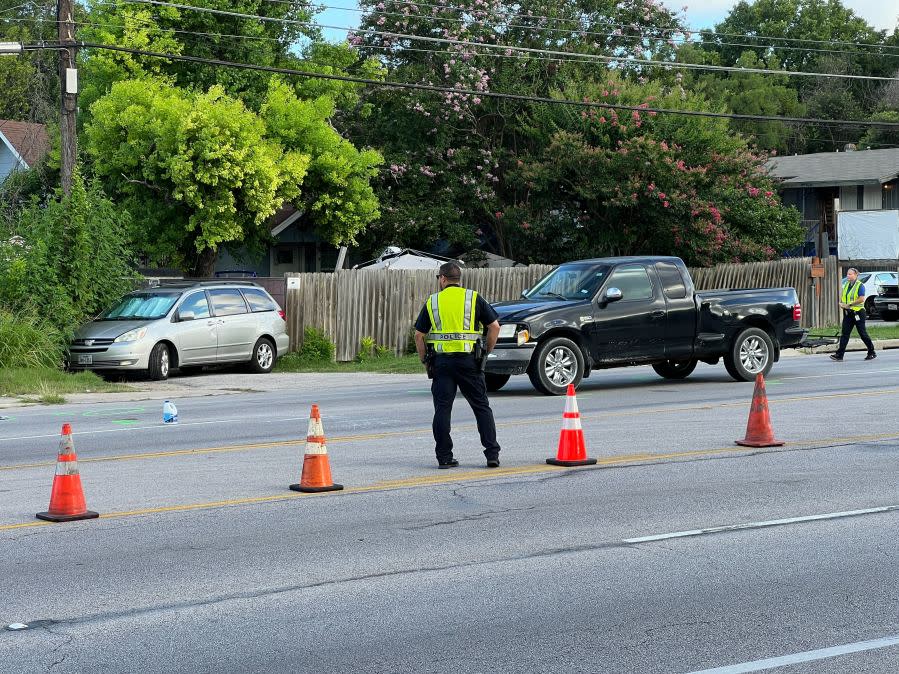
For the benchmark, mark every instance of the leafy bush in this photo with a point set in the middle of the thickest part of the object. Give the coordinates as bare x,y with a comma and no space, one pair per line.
26,341
67,259
369,349
316,346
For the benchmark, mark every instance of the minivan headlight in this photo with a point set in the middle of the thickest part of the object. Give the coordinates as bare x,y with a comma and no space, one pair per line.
132,335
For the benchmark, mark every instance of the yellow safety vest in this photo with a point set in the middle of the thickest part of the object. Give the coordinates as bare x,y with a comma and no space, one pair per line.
850,294
452,320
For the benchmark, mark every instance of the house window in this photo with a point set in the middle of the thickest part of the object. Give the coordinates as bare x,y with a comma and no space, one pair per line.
891,195
284,256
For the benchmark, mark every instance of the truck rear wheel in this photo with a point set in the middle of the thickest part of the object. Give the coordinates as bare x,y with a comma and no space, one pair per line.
557,363
751,353
675,369
495,381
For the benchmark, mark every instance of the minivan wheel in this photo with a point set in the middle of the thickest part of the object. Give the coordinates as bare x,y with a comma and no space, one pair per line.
263,357
557,363
751,353
160,362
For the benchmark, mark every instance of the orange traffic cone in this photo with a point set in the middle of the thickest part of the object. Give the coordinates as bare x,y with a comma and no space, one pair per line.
67,496
758,431
316,468
572,449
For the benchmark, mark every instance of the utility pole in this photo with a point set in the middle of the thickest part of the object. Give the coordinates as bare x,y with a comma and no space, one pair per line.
68,81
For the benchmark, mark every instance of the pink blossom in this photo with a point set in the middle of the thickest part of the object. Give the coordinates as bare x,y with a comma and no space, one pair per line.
662,195
525,225
665,204
498,215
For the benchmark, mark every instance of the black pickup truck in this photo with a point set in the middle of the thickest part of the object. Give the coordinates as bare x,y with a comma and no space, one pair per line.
614,312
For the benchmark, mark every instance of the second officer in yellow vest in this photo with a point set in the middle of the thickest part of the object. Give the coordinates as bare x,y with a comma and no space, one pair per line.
453,325
852,302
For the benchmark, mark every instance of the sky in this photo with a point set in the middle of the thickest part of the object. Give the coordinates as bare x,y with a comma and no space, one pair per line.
882,14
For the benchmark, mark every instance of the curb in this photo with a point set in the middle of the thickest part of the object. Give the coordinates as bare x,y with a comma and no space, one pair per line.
855,344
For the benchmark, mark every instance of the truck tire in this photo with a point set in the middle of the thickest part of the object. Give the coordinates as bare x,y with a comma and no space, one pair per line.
871,309
557,363
495,381
160,363
751,353
675,369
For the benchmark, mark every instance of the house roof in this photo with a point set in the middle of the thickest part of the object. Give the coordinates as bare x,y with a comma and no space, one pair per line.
30,141
836,169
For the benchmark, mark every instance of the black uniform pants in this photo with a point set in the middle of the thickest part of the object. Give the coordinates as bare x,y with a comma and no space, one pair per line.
849,322
453,373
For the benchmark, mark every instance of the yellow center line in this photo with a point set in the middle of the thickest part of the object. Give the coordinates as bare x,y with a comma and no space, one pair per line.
471,476
594,416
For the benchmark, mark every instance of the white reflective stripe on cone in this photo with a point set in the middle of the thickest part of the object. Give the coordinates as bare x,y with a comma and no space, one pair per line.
67,468
571,424
316,447
571,405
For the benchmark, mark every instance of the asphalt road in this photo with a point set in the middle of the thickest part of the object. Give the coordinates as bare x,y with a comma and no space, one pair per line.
678,552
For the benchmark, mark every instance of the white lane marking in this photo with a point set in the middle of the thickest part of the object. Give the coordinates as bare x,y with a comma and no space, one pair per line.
806,656
124,429
835,374
761,525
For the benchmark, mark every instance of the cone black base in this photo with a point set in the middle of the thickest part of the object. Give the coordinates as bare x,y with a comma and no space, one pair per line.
315,490
557,462
86,515
752,443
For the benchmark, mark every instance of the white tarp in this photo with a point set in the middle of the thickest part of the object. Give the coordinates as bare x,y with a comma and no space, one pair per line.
868,235
406,261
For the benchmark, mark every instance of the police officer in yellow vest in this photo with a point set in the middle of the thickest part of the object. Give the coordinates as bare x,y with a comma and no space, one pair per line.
452,326
852,302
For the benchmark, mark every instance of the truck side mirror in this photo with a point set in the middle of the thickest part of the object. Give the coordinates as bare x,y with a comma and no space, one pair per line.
613,294
524,294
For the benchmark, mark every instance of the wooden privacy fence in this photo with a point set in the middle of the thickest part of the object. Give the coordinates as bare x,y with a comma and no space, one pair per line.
383,304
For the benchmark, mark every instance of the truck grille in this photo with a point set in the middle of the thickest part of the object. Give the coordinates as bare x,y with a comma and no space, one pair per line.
889,291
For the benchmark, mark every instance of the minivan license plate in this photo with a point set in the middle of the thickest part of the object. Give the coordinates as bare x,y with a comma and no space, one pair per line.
85,359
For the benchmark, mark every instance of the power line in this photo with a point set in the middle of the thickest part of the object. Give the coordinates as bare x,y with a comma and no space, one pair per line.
583,33
466,43
685,30
470,92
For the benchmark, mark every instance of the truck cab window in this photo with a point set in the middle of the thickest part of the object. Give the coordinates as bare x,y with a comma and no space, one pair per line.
632,281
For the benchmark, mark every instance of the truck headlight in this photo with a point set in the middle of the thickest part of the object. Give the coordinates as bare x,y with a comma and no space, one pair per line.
132,335
507,330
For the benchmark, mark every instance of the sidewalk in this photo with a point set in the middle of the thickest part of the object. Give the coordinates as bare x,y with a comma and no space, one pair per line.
220,384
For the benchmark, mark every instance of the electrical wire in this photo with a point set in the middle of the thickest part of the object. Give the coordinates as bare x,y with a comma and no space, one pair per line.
468,92
466,43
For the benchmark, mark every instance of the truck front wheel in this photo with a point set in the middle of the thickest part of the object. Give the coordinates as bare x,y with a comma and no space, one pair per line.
675,369
557,363
751,353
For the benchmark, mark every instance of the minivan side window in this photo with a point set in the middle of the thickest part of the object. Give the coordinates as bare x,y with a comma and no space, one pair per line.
672,281
227,302
258,300
632,281
195,304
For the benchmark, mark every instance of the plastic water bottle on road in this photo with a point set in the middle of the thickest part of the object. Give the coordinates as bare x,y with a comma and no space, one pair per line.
169,413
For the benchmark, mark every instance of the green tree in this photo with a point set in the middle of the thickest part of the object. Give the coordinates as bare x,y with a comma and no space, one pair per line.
195,169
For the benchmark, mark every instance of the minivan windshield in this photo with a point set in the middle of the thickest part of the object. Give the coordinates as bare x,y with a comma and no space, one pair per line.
141,307
570,282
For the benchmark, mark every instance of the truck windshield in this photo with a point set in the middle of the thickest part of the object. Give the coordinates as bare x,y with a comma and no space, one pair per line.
570,282
141,306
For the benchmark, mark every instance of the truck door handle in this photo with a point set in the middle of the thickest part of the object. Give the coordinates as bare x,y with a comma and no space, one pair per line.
658,314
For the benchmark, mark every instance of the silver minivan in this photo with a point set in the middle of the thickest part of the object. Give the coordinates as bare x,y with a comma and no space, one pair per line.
184,325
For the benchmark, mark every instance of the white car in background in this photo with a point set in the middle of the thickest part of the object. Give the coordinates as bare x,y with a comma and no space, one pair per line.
873,280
